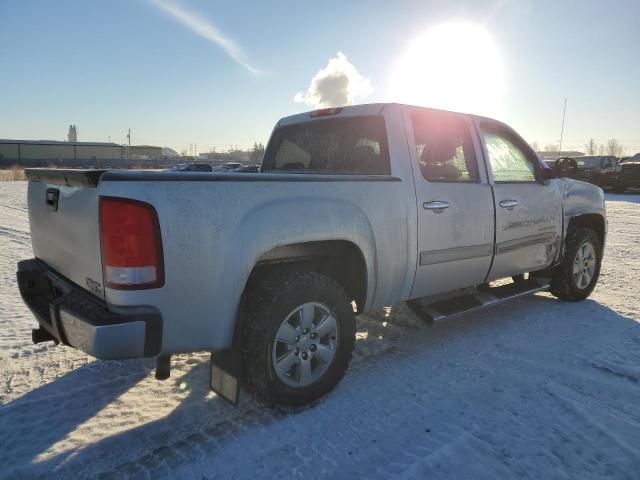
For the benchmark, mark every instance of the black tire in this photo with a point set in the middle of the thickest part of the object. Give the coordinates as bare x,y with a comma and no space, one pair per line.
563,283
269,302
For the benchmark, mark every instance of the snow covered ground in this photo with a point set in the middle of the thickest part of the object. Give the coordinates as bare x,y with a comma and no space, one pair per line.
536,388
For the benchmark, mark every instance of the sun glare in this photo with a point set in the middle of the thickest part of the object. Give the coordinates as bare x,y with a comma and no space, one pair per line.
455,66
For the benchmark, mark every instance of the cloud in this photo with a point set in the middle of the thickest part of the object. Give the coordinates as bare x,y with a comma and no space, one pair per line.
204,28
339,83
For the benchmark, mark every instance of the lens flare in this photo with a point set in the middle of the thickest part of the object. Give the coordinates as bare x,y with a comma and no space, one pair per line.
455,66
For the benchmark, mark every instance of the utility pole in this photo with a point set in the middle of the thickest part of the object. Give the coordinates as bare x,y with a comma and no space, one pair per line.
129,137
564,111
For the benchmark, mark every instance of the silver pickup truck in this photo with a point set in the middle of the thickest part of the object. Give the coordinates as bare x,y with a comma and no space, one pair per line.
354,208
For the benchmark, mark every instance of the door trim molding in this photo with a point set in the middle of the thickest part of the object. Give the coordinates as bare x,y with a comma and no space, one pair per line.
528,241
445,255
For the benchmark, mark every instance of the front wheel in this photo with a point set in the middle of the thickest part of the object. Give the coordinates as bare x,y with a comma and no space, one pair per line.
298,338
576,277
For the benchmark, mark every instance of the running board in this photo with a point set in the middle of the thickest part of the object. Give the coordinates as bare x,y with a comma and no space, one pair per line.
475,300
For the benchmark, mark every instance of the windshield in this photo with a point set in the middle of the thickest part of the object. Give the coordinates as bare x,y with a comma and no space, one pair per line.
351,145
588,162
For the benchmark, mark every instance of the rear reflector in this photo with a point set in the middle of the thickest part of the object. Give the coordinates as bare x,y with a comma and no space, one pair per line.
131,244
325,112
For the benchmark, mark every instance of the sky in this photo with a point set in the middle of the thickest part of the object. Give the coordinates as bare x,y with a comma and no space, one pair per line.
220,74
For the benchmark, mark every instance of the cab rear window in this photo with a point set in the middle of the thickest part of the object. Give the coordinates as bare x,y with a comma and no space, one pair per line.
350,145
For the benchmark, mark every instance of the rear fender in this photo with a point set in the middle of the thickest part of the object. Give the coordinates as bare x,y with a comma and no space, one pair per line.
299,220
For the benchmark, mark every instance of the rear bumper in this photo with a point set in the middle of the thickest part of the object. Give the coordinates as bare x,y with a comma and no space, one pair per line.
76,318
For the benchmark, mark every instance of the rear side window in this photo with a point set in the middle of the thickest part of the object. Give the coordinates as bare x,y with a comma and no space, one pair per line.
444,147
351,145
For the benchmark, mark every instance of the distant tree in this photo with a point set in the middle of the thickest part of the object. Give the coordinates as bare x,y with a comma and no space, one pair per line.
549,147
614,147
591,147
257,152
534,146
236,155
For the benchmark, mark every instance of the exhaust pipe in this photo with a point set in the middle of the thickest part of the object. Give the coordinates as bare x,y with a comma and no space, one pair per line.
39,335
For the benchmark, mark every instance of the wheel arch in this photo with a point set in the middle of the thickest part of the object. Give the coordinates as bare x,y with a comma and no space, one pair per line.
341,260
594,221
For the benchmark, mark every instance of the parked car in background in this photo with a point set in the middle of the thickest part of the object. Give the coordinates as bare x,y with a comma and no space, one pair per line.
607,171
596,169
249,169
192,167
629,175
354,208
228,167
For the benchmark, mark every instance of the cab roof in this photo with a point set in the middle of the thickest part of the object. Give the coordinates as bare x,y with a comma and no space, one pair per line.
362,110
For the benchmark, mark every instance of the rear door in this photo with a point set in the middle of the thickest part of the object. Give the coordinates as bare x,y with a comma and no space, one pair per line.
455,203
63,218
528,211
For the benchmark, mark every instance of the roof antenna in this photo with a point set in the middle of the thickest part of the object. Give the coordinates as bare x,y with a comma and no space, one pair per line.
564,111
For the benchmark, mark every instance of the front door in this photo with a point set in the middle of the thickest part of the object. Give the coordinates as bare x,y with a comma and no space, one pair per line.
528,211
455,204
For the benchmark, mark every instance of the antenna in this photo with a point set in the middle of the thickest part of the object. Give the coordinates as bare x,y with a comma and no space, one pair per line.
564,111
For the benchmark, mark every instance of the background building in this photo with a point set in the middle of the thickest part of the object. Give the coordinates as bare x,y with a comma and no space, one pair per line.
548,156
144,152
45,152
72,136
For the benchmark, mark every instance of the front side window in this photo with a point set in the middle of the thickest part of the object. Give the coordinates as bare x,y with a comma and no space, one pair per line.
508,162
444,147
350,145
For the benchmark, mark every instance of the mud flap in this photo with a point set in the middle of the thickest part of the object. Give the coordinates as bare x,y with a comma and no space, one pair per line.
225,373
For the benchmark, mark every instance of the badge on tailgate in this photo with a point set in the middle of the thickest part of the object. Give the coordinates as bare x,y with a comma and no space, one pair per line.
94,287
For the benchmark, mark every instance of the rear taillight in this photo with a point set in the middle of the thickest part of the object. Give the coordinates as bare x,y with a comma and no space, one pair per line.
131,244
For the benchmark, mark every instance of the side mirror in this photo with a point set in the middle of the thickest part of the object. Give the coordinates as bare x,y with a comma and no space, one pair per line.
565,167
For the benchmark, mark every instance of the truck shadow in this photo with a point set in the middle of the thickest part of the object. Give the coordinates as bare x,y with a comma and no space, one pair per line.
200,421
202,424
36,421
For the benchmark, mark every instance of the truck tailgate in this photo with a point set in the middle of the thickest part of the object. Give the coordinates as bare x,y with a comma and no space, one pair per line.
63,217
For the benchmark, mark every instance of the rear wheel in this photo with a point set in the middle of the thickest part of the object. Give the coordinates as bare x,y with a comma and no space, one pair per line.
298,338
576,277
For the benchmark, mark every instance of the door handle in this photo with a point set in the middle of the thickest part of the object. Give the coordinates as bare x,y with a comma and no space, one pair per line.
436,206
508,204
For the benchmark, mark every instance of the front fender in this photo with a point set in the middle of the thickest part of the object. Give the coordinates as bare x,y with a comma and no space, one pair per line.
580,198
